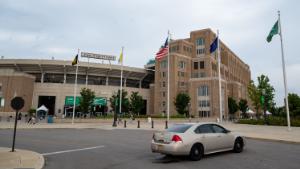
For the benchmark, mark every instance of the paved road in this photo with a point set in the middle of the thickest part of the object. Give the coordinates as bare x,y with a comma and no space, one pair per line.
130,149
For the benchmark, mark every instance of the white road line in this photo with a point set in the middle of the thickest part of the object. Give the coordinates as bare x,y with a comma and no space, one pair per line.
68,151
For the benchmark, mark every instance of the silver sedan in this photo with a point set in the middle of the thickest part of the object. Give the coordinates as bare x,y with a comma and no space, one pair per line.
196,140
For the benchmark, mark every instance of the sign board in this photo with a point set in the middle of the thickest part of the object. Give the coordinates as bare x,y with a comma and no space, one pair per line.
17,103
69,101
98,56
99,101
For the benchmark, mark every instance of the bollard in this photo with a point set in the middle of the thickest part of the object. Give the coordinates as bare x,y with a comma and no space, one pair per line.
125,124
166,124
152,124
138,124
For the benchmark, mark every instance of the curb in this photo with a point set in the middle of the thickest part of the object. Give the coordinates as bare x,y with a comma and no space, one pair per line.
273,140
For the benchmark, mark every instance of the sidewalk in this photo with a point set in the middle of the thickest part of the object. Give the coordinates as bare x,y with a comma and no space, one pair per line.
20,159
277,133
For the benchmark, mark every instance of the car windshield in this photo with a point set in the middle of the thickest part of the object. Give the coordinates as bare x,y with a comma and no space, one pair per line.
179,128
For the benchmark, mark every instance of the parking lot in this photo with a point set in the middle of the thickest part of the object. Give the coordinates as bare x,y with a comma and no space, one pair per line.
114,149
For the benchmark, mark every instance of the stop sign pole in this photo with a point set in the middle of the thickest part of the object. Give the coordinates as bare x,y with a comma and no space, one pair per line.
17,104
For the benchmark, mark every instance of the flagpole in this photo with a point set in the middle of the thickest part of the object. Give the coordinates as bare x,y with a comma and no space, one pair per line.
284,76
219,78
75,88
168,107
121,84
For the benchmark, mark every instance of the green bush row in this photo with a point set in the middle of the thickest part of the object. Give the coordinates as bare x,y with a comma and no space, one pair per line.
274,121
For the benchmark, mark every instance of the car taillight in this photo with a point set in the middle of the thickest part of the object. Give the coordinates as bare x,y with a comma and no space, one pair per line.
176,138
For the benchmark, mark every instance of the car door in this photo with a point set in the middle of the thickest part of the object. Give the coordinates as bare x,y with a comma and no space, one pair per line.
207,137
224,139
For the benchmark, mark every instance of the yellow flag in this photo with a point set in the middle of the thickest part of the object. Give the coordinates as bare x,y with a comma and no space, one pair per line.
75,60
121,57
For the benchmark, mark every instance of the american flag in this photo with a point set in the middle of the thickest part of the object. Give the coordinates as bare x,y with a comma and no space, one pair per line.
163,50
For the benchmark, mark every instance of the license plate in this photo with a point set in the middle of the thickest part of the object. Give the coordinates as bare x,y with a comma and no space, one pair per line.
160,147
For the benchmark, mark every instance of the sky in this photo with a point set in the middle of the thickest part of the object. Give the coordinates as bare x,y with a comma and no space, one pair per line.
58,28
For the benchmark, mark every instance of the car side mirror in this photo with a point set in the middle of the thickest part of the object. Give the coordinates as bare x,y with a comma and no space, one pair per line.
227,131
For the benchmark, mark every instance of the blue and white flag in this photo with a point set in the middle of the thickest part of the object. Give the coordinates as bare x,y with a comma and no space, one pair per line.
214,45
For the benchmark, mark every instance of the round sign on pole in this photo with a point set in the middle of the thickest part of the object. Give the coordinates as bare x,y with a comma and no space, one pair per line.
17,103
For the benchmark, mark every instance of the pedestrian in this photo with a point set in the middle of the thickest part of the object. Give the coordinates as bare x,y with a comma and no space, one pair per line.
29,120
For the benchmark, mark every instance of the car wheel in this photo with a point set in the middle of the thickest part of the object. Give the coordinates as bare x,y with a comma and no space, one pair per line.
196,152
238,145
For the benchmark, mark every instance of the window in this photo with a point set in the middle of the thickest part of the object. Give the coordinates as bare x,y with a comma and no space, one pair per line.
163,64
180,74
202,74
203,91
163,74
219,129
204,113
205,128
181,64
200,51
163,103
163,84
202,65
179,128
164,94
200,41
195,65
204,103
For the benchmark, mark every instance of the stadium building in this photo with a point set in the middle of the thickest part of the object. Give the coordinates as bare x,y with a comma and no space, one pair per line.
193,70
51,83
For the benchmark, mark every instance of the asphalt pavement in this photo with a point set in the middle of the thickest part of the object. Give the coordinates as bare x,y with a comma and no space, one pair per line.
130,149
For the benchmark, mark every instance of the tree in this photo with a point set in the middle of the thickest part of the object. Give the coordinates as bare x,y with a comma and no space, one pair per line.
232,106
294,104
269,91
256,92
254,96
136,103
87,98
243,106
181,103
115,102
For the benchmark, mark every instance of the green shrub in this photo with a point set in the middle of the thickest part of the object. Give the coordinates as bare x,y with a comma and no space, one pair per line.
272,120
31,112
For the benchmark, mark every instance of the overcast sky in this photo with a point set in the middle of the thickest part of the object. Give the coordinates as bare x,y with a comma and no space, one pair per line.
57,28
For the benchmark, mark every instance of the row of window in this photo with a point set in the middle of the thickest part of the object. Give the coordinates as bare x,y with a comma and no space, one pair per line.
174,48
199,65
198,75
181,84
203,103
187,49
204,113
200,42
180,74
203,91
200,51
181,65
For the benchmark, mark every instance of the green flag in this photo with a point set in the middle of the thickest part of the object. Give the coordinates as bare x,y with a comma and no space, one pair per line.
274,31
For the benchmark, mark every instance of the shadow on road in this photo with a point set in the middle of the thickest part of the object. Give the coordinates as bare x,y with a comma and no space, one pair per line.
176,159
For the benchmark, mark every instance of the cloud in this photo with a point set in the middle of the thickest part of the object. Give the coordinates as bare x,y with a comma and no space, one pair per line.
55,28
